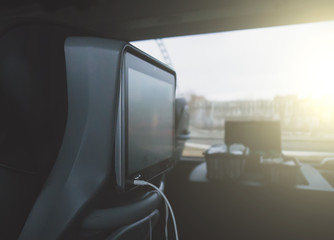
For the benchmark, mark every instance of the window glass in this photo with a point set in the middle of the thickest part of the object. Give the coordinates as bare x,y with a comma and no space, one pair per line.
281,73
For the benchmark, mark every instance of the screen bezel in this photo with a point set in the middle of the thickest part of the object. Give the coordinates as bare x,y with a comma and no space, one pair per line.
141,62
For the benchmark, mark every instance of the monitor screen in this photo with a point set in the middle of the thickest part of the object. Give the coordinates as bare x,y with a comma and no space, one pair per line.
257,135
149,117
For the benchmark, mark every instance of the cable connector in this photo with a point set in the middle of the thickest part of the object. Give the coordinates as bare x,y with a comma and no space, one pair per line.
140,182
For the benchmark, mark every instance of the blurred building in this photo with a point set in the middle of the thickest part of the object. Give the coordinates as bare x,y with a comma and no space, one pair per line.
294,113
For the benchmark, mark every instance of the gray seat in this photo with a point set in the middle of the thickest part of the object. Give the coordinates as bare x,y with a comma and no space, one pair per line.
34,103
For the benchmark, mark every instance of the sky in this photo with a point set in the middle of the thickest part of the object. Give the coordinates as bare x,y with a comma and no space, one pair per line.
253,64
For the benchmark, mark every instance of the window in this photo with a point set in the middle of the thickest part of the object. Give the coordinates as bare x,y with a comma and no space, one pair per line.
280,73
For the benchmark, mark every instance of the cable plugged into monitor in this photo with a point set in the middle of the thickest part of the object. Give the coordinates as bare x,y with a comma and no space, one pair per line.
144,183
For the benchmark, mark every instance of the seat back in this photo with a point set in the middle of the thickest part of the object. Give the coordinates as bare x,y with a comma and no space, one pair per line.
44,189
141,229
33,117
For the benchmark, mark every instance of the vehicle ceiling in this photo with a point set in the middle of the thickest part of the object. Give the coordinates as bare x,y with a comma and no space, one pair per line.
146,19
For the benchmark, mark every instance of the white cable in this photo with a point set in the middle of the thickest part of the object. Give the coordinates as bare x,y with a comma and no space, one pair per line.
166,222
144,183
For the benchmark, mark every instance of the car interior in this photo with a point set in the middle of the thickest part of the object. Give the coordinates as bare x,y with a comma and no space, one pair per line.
75,126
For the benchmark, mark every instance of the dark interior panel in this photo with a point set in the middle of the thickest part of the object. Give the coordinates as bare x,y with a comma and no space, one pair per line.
135,20
218,210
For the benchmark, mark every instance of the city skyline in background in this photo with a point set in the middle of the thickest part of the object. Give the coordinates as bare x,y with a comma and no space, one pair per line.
254,64
294,114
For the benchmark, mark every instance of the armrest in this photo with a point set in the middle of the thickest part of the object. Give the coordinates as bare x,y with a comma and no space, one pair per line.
111,218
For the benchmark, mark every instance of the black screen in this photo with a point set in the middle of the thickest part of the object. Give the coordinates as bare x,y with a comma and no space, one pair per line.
257,135
150,115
